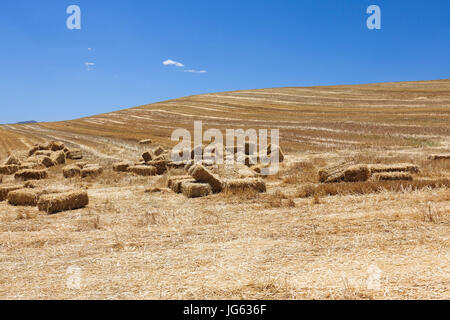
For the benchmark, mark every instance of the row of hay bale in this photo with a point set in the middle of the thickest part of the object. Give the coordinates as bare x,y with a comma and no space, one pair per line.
49,201
201,182
436,157
82,169
351,172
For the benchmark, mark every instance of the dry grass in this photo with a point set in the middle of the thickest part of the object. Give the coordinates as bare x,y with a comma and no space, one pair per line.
295,241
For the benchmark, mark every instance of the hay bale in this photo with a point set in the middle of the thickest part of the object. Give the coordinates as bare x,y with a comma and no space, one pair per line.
91,171
334,173
145,171
12,160
398,167
175,182
121,166
5,190
46,161
436,157
195,190
59,157
158,151
392,176
46,153
66,201
161,166
75,154
28,165
203,175
31,174
71,171
8,170
357,173
33,150
145,142
238,185
25,197
81,164
56,146
148,156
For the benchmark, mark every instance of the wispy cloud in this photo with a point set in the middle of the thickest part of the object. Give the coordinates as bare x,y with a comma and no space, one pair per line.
89,66
196,71
173,63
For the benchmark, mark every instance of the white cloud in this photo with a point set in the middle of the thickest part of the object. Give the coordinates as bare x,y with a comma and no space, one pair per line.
89,49
173,63
196,71
89,66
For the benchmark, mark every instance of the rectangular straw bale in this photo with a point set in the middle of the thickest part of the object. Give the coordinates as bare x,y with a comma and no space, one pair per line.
357,173
58,157
122,166
9,169
203,175
25,197
71,171
391,176
398,167
91,171
66,201
143,170
236,185
31,174
75,154
174,182
195,190
5,190
161,166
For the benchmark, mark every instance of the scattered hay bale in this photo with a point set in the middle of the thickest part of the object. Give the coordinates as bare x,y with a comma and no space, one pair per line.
31,174
122,166
145,142
91,171
203,175
75,154
12,160
81,164
56,146
8,170
145,171
59,157
5,190
71,171
46,153
398,167
25,197
435,157
174,183
158,151
33,150
28,165
66,201
238,185
148,156
195,190
357,173
334,173
46,161
161,166
392,176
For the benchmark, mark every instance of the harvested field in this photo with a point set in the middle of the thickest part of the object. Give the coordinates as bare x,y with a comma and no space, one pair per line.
300,239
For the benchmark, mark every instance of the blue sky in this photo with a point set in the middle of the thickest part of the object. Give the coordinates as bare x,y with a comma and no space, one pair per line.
243,44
